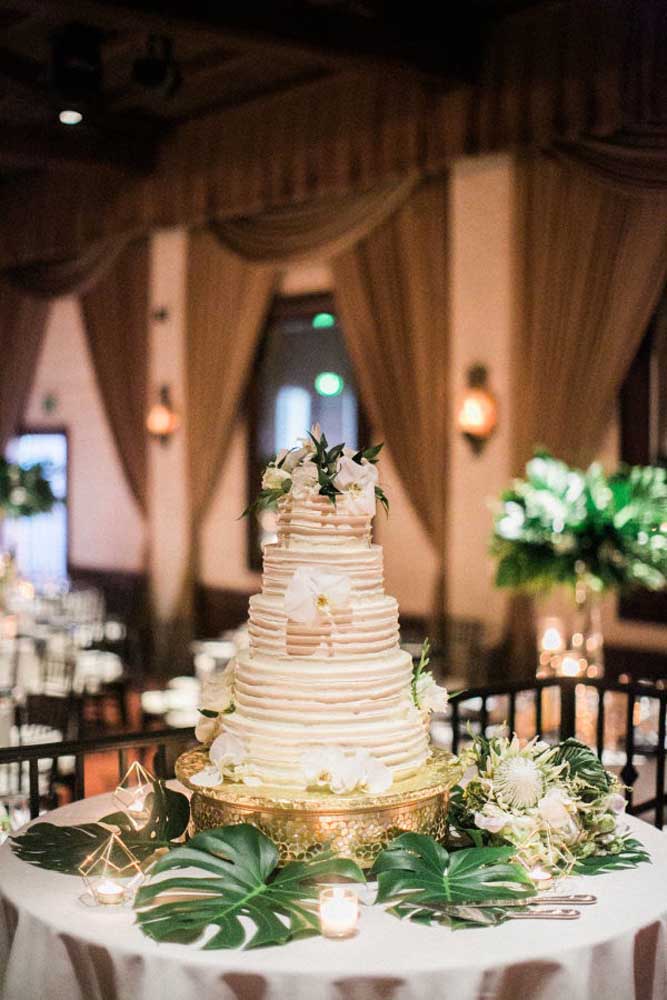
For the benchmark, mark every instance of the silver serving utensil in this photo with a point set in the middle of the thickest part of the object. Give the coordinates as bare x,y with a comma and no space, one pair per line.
578,899
545,913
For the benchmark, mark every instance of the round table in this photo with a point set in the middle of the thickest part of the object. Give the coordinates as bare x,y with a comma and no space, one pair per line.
54,947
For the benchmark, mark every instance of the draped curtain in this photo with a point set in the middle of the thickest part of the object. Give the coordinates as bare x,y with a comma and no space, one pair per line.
392,292
592,242
232,272
227,300
25,293
115,311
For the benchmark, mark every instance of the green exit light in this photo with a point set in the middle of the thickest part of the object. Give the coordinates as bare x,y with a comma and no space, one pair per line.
321,321
329,384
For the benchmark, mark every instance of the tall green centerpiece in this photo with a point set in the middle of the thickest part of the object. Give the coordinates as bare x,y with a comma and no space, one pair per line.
587,530
24,492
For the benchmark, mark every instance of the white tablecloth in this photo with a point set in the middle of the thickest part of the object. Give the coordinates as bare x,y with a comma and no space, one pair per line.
55,948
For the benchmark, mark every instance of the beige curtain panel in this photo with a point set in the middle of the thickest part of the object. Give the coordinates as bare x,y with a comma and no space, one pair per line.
593,265
227,301
22,323
115,312
392,293
325,227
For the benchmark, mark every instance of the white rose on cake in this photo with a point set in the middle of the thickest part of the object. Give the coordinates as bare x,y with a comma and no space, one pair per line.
357,484
305,480
275,478
313,594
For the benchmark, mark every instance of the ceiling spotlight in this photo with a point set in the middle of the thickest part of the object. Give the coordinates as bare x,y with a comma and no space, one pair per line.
70,117
157,70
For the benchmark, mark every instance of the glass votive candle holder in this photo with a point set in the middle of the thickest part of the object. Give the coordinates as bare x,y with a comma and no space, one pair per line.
112,874
339,911
134,794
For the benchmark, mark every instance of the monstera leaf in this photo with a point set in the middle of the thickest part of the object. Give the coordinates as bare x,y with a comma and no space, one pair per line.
583,763
430,885
631,854
242,881
65,848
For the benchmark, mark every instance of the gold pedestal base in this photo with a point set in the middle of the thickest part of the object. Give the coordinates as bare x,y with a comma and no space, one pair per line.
355,826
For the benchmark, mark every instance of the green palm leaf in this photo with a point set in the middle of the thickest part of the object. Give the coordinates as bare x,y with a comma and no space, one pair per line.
631,854
429,884
583,763
244,881
65,848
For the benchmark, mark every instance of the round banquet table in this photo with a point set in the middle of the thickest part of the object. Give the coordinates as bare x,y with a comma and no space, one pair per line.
54,947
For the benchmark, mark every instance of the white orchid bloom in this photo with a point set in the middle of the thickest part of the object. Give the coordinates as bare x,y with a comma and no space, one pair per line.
357,484
274,478
208,777
492,819
345,773
430,697
227,752
305,480
556,809
313,594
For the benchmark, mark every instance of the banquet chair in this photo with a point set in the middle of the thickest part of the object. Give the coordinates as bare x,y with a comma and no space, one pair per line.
631,716
168,743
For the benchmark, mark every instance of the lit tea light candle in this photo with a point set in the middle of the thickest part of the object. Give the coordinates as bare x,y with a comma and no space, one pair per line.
339,912
109,892
138,807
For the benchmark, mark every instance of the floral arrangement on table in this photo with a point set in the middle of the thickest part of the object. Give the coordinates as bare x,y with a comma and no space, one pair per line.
560,523
24,491
317,469
556,806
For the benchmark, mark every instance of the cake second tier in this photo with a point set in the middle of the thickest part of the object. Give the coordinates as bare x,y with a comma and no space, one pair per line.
286,707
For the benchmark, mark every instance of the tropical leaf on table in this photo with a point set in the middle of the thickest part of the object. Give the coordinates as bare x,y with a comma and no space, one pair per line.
583,763
65,848
431,885
632,853
239,878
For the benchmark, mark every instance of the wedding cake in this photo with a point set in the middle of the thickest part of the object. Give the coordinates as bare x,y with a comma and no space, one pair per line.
324,698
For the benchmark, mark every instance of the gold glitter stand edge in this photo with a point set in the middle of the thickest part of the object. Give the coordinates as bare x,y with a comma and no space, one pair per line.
355,826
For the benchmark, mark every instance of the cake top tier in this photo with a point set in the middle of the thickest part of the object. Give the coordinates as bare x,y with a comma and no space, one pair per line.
322,491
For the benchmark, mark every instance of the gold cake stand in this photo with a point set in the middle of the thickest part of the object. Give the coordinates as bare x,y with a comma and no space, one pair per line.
355,826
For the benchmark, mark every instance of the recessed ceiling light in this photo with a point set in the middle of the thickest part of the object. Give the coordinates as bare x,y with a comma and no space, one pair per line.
70,117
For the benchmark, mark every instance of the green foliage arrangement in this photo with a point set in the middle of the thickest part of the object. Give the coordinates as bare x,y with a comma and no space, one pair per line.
428,884
240,879
557,807
65,848
560,522
24,491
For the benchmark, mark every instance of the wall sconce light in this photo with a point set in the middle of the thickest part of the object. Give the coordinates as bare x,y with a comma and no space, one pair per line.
163,420
478,415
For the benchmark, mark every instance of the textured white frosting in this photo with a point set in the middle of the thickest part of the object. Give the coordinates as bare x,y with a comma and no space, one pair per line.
340,682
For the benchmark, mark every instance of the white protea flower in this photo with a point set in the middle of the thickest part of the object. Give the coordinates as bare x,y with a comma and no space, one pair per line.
518,782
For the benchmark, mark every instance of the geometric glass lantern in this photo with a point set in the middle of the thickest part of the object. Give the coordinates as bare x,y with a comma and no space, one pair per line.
112,874
133,794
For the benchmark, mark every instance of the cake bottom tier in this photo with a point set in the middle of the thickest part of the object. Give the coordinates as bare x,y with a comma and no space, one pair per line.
300,824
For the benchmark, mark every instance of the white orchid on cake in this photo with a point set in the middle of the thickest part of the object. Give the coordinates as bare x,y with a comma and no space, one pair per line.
314,468
313,594
228,761
345,772
427,695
